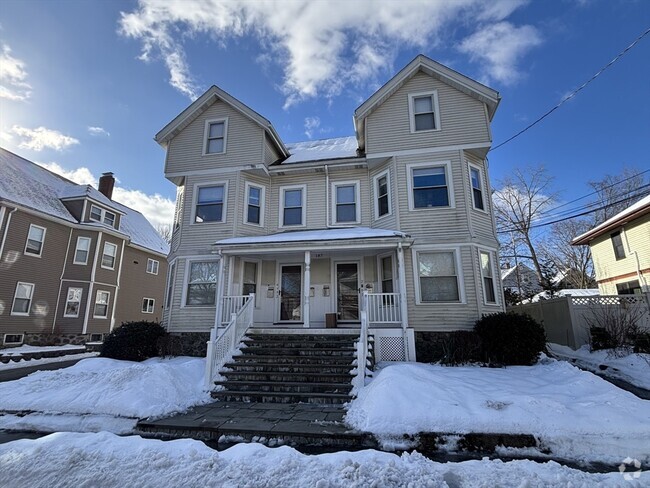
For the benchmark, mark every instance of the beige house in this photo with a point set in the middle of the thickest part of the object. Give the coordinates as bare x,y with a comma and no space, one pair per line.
73,263
620,248
396,220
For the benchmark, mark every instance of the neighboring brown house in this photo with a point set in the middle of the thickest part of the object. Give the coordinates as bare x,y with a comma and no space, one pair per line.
73,263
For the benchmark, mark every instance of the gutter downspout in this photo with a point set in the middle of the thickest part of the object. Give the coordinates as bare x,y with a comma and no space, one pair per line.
4,236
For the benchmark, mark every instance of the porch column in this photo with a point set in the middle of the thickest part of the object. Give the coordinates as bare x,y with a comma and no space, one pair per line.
218,299
401,277
306,289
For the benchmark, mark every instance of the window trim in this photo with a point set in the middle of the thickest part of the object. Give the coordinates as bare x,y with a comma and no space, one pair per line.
415,252
482,181
108,304
102,216
618,233
148,301
5,343
258,277
206,131
157,266
44,229
76,248
262,189
186,279
492,256
65,306
195,201
357,202
282,190
380,271
436,108
31,299
448,177
107,243
375,189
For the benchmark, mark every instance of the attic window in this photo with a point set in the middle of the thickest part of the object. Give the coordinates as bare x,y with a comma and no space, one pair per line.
423,108
215,136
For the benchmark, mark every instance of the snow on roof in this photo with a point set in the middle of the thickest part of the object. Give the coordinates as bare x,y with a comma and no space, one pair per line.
644,202
314,235
86,191
340,147
140,230
505,272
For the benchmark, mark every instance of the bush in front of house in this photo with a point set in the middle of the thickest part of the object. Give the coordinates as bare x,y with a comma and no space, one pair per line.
461,347
510,339
134,341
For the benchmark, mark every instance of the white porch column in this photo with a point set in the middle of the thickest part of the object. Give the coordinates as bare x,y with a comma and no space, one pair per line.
218,299
306,289
401,277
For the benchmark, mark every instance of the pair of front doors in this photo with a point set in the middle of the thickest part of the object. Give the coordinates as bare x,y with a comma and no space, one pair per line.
347,288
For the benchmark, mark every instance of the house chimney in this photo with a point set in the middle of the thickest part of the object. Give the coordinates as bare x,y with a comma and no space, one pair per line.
106,184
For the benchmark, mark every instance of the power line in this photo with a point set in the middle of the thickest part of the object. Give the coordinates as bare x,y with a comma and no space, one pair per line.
575,92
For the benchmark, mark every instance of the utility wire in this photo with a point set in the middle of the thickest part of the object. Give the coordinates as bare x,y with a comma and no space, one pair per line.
575,92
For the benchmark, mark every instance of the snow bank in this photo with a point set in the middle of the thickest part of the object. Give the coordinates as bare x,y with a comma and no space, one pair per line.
575,413
73,460
24,363
9,351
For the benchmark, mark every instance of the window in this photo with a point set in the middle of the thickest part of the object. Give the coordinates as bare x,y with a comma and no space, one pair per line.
477,187
82,250
345,198
617,242
488,278
13,338
629,288
209,204
249,279
108,257
292,210
202,283
148,305
254,202
101,304
438,277
35,238
152,266
215,136
429,186
382,195
100,215
109,218
96,337
424,111
95,213
170,285
73,302
387,274
22,298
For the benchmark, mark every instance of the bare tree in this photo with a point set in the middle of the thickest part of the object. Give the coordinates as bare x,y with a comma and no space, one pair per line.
617,192
165,231
574,262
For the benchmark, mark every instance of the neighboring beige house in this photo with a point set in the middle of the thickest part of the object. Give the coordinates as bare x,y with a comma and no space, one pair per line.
401,210
620,248
73,263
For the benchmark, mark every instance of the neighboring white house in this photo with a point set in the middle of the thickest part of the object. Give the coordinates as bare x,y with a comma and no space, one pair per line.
401,210
520,279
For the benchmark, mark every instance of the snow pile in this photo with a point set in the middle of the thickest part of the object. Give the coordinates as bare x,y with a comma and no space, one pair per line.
574,413
72,460
25,363
633,368
10,351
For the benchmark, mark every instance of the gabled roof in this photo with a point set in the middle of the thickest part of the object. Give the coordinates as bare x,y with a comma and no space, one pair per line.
322,149
199,105
639,209
426,65
505,272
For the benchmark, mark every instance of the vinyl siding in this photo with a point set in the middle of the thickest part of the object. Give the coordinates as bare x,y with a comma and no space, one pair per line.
388,221
71,325
80,271
483,227
105,275
271,154
100,325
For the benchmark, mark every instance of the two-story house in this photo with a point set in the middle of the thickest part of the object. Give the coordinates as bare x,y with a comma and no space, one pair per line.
73,262
398,215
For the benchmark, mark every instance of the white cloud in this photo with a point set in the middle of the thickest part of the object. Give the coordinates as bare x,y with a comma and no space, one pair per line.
321,46
311,124
98,131
42,138
499,48
13,76
82,176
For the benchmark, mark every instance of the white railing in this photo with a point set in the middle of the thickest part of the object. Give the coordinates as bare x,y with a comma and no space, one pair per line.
384,308
222,348
231,305
359,380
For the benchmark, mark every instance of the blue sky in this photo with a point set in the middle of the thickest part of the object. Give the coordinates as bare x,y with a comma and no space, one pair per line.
85,85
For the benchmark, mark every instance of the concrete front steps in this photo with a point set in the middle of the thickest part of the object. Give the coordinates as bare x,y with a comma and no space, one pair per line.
290,368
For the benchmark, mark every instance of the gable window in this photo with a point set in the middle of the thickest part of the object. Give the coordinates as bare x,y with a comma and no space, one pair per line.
488,277
346,208
382,195
292,206
202,283
429,186
210,203
424,111
22,298
152,266
101,304
617,242
438,277
215,136
108,256
35,238
386,269
477,187
254,201
629,288
73,302
82,250
249,279
148,305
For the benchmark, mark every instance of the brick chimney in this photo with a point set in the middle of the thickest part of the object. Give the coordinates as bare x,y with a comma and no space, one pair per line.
106,184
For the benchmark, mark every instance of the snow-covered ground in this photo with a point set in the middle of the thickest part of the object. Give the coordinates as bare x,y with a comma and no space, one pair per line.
106,460
104,393
575,413
36,362
633,368
15,351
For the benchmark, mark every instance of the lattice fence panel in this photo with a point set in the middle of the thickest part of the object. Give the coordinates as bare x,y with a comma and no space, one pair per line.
389,348
608,300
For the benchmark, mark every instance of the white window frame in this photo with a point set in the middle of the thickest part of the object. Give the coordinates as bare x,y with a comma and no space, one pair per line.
206,131
448,177
258,277
108,304
283,189
106,243
155,265
102,215
67,300
492,255
4,339
186,279
436,114
262,189
375,189
195,201
380,271
462,300
76,249
34,226
357,202
482,181
31,299
150,303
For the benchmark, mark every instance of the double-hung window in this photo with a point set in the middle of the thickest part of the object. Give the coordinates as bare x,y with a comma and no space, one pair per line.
202,283
148,305
429,186
101,304
35,239
22,298
382,195
249,279
424,111
438,276
346,207
254,202
617,242
487,273
108,256
210,203
387,274
477,187
95,213
82,250
292,200
152,266
73,302
100,215
215,137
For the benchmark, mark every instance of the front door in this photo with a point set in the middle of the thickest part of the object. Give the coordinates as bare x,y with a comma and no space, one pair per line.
347,292
290,293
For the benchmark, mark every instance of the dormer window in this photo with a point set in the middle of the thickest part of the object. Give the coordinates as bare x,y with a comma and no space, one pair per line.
423,108
95,213
100,215
215,136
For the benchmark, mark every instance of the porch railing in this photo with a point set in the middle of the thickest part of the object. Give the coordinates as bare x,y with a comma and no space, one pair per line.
232,304
222,348
384,308
359,379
